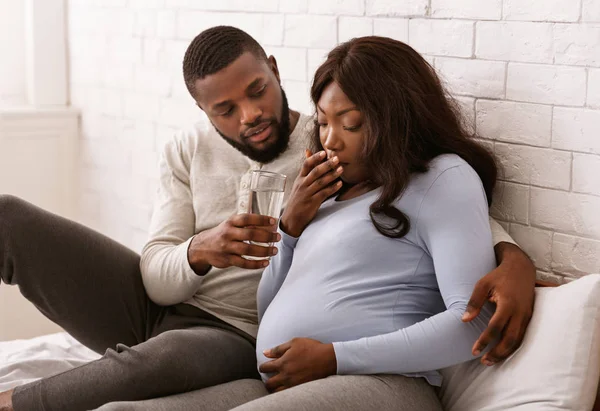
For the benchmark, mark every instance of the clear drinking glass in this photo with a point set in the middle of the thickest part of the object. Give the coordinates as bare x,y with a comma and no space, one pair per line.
266,198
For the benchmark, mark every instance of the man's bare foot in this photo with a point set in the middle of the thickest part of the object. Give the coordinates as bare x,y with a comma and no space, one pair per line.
6,401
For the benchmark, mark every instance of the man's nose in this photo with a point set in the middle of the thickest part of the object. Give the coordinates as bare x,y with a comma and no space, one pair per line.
250,113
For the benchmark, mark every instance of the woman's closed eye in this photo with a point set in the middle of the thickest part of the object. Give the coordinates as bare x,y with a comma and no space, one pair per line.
352,128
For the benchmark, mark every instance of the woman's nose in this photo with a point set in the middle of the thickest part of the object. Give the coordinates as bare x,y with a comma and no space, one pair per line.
332,143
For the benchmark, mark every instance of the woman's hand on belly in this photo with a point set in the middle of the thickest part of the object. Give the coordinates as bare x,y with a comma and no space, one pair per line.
298,361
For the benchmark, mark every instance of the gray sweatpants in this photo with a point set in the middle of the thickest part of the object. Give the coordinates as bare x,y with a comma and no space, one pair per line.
347,393
92,287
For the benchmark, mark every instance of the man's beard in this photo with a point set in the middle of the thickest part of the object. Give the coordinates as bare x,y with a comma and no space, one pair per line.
282,130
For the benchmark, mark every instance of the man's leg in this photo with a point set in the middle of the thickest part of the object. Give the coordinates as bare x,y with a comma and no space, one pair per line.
352,393
221,397
173,362
87,283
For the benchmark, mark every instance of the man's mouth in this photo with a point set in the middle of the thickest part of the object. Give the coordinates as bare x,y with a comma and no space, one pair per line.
259,133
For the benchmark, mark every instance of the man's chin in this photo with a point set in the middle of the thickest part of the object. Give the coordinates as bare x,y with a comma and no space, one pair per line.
265,145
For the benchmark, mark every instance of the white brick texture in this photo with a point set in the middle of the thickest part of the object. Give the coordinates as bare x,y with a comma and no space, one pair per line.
467,9
350,27
575,255
514,41
396,8
511,202
535,166
394,28
441,37
591,11
549,10
512,122
290,61
546,84
566,212
477,78
525,74
577,44
310,31
576,129
593,91
343,7
586,173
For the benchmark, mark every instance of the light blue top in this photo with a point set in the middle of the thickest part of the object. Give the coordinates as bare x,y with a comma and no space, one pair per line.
388,305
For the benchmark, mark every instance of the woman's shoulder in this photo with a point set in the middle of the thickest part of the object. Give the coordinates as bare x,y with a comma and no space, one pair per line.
444,162
439,166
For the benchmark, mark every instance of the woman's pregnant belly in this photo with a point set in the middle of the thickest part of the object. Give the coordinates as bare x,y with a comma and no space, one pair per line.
330,316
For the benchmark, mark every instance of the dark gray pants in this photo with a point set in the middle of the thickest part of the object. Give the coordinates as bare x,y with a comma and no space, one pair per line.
92,287
335,393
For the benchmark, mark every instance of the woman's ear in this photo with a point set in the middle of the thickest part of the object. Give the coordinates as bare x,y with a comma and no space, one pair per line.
274,68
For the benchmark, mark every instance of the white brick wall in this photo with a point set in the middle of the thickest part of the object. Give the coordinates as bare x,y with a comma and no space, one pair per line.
525,73
549,10
477,78
536,83
514,122
514,41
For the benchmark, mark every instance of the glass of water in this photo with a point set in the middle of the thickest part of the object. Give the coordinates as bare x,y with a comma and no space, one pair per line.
266,198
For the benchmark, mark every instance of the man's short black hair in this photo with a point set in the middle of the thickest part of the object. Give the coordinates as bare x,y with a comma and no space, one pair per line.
214,49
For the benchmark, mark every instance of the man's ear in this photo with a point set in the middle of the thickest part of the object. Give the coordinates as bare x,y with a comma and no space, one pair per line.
274,68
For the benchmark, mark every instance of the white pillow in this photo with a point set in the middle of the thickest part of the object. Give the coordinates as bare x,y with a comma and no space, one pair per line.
556,368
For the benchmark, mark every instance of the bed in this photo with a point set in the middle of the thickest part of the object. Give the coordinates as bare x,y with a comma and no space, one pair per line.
23,361
556,368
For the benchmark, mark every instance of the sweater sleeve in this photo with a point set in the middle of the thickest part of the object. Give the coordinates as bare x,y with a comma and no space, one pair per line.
499,234
453,228
274,275
166,272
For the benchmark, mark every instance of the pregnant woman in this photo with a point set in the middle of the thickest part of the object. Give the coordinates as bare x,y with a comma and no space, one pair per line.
383,239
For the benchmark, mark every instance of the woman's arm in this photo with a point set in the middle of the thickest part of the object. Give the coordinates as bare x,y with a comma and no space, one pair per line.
275,274
454,230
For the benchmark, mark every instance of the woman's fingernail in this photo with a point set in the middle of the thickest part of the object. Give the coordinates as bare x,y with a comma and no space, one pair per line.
266,352
488,363
339,170
335,160
272,221
274,251
266,263
476,352
322,154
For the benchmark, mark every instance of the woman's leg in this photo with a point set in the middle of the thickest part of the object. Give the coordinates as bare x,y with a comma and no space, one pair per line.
221,397
352,393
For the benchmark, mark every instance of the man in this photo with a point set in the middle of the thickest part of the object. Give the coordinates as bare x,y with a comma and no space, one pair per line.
184,316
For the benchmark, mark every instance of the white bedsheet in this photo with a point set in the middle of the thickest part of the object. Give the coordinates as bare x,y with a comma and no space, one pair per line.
23,361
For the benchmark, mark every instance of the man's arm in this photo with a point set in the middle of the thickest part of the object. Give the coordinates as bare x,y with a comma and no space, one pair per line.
176,258
166,272
511,287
